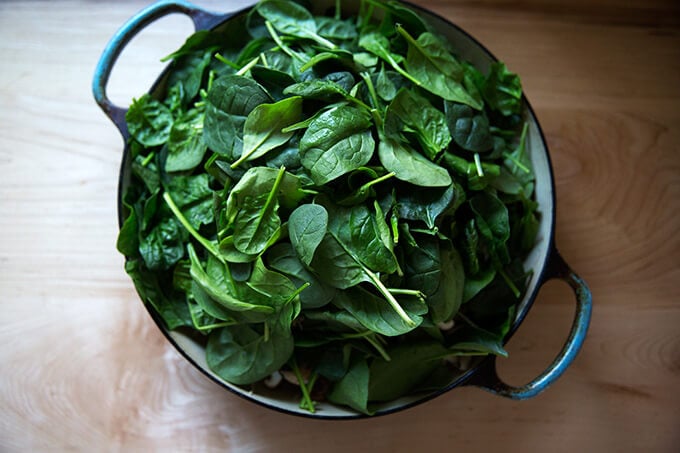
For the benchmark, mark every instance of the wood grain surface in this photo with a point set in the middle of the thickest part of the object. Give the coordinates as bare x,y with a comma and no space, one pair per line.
85,369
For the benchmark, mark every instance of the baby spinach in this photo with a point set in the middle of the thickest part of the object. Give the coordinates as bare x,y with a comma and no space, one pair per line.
337,142
307,226
149,121
329,194
416,114
263,129
252,209
429,61
410,166
186,147
229,102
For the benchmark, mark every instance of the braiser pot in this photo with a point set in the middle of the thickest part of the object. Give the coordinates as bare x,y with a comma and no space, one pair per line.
544,261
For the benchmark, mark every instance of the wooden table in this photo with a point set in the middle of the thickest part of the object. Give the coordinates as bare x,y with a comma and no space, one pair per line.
84,367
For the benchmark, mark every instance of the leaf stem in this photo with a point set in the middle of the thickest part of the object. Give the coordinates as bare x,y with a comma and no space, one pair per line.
208,326
408,292
378,347
209,246
510,283
248,66
147,160
371,89
306,397
277,39
405,74
297,292
388,296
226,61
478,164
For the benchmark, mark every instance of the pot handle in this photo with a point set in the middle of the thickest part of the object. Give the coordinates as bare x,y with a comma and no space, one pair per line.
487,376
201,18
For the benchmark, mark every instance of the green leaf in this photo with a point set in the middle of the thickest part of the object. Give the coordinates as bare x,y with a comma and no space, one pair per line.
229,102
469,127
491,216
352,389
188,72
334,266
332,28
291,19
336,143
163,246
252,208
273,80
427,205
412,111
241,355
283,258
410,166
263,127
148,121
127,242
374,314
502,90
475,341
429,61
152,290
318,89
186,147
410,363
219,287
307,226
357,230
435,268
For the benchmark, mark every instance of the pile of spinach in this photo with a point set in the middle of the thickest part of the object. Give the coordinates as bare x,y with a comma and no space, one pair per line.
339,197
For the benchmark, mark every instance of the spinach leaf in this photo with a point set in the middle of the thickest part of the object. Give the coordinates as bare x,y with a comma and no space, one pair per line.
415,113
188,73
292,19
471,340
194,197
409,364
283,258
229,102
252,208
469,127
374,314
242,355
163,246
429,61
318,89
273,80
186,147
337,142
263,127
352,389
502,90
408,165
435,268
357,230
427,205
217,284
149,121
307,227
491,217
127,242
153,290
332,28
